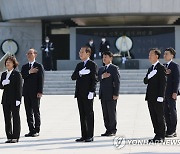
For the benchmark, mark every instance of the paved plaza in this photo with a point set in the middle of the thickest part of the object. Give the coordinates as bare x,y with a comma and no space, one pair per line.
60,127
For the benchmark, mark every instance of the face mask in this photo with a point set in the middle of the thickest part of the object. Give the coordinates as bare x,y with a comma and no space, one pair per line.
103,39
47,41
91,42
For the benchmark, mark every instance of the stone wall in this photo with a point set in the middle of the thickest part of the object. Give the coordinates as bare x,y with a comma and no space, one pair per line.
27,35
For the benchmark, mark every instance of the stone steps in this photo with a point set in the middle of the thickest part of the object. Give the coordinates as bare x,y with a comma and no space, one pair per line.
60,83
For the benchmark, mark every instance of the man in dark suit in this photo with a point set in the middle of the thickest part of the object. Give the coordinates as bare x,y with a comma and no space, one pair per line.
47,48
156,80
104,46
173,78
11,83
85,75
109,78
91,45
33,75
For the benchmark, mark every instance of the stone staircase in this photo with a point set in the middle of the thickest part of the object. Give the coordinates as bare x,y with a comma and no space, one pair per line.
60,83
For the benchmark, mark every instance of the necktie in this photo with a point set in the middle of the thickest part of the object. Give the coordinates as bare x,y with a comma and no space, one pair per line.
30,66
105,68
166,65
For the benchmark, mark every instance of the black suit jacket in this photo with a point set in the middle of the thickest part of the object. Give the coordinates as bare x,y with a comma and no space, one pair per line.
173,79
157,84
109,86
13,91
33,83
85,83
103,46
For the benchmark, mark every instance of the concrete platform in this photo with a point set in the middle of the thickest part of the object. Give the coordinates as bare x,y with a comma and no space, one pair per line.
60,128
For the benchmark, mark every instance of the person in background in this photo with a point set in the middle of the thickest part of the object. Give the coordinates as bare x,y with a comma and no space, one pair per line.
85,75
91,45
109,78
11,83
33,75
104,46
155,93
173,78
47,49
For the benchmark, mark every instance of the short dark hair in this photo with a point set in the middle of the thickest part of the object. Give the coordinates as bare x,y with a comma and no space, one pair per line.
109,53
35,51
171,50
156,51
13,59
87,49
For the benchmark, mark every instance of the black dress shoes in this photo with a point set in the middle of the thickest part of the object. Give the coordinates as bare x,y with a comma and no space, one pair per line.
8,141
28,135
80,139
12,141
89,139
156,140
108,134
171,135
32,135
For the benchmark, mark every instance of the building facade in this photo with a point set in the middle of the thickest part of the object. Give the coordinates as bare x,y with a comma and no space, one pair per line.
70,24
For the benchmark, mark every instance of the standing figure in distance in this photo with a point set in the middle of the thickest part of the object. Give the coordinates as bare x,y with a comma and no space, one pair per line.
91,45
156,86
47,49
85,75
109,78
11,83
104,46
33,75
173,79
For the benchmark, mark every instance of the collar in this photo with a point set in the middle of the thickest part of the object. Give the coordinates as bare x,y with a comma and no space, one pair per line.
169,62
155,63
108,65
32,63
9,72
86,61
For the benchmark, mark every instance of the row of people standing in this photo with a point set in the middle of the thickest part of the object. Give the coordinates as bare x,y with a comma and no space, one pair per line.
11,83
48,48
104,46
161,95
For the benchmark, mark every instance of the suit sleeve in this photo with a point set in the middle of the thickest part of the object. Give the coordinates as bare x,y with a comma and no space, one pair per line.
75,74
162,81
40,78
18,87
94,78
116,82
176,77
24,72
1,86
146,78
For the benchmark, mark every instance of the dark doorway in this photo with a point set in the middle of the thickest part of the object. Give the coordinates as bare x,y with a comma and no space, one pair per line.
61,48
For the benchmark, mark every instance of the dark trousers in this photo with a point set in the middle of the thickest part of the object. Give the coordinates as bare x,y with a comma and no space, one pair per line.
156,110
48,63
32,105
86,116
11,112
170,115
109,115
